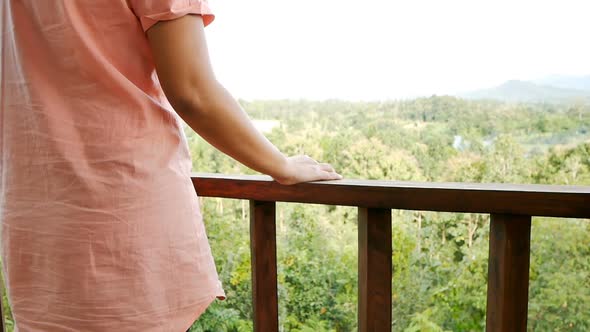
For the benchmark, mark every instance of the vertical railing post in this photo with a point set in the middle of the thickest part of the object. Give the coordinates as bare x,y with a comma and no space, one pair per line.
263,245
508,273
375,270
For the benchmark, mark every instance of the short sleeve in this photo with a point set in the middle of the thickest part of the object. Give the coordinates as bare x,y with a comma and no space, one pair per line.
151,12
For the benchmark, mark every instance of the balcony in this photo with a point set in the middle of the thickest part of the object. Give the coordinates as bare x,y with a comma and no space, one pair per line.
511,208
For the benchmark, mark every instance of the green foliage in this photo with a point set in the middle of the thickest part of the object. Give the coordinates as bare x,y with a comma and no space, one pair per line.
421,322
440,259
8,320
560,275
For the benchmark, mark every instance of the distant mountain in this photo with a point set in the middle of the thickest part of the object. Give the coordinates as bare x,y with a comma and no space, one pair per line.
525,91
566,82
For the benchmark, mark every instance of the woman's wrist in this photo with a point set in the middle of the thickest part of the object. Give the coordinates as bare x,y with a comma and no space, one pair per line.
281,170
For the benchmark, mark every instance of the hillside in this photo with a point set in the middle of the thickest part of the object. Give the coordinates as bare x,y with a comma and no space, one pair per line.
440,259
525,91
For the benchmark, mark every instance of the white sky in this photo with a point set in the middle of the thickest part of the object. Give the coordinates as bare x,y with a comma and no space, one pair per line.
384,49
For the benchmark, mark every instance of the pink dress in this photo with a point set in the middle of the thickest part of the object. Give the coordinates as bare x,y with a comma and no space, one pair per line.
100,224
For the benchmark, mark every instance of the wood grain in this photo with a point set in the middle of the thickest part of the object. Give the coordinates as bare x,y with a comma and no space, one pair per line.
375,270
530,200
264,266
508,273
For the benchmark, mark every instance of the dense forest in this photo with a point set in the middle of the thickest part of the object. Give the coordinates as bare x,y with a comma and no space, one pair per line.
440,259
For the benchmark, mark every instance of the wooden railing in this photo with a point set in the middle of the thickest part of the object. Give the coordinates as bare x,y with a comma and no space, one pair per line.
511,208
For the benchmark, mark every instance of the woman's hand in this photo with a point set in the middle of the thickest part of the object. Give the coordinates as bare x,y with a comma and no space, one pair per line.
302,168
181,58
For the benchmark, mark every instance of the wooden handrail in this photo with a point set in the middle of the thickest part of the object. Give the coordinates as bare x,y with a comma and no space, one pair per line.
511,208
528,200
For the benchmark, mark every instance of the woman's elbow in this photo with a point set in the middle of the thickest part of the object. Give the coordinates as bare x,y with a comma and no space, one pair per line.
195,101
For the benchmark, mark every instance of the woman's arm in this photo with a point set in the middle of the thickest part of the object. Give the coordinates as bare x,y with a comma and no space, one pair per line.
182,62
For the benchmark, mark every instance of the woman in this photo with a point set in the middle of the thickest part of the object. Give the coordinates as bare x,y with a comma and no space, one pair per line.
101,229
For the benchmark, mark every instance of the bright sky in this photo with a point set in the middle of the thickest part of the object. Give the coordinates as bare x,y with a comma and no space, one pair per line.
385,49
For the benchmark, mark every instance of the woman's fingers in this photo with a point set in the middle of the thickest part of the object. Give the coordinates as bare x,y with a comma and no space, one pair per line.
326,167
327,172
305,169
332,176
